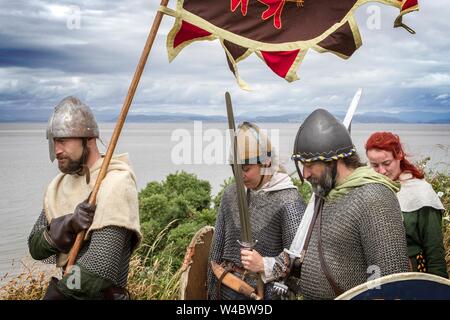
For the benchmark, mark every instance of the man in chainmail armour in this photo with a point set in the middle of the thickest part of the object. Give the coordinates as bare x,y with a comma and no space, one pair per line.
357,231
275,210
112,225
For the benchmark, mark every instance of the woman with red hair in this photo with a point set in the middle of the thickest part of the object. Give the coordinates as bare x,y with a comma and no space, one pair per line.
421,207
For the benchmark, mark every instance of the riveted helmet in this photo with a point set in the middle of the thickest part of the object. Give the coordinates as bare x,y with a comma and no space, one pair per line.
253,144
70,119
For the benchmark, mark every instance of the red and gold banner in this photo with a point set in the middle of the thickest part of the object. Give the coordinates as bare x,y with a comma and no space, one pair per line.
280,32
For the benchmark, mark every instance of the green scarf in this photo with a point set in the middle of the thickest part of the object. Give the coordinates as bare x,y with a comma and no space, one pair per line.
359,177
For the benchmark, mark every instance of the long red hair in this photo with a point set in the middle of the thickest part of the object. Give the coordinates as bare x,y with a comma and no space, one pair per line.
391,142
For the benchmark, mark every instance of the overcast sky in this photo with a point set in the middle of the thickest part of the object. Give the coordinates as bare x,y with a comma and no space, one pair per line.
45,57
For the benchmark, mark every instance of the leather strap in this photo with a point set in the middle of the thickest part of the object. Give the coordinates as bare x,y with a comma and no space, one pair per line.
337,290
310,230
219,283
228,267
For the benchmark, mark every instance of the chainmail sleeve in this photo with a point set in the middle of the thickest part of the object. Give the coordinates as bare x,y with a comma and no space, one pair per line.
292,214
39,248
381,227
216,251
108,254
40,224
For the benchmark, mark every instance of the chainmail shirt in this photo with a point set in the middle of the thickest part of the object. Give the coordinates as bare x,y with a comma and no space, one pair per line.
107,253
274,219
363,238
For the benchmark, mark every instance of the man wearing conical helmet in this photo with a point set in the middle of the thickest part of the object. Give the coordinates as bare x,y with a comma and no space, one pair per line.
357,232
275,210
111,225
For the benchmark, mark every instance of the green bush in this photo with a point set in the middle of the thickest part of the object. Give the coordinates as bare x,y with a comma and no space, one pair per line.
153,207
219,195
150,230
441,184
173,210
152,188
196,192
304,189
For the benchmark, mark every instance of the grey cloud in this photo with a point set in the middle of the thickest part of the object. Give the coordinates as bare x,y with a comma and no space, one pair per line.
41,61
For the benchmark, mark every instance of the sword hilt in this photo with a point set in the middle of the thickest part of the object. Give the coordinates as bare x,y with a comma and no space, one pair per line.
247,245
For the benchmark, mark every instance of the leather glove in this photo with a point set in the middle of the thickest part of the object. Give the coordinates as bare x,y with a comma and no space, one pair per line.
62,231
53,292
83,216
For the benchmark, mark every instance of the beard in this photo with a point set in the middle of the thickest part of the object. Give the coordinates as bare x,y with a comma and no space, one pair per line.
69,166
322,185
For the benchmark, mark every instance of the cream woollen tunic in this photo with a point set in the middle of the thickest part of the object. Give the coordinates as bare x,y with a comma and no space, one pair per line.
117,201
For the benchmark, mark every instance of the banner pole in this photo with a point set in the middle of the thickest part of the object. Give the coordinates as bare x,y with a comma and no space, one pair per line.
118,129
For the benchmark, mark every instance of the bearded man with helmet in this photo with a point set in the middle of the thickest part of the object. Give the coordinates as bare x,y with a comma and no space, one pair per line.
112,224
355,232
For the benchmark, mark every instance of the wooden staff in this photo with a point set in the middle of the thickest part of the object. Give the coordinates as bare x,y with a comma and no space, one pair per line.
120,122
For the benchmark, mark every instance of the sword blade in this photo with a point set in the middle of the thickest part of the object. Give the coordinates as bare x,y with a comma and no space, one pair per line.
352,108
246,231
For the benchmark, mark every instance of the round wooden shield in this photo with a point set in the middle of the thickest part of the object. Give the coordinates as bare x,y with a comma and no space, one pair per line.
195,266
401,286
